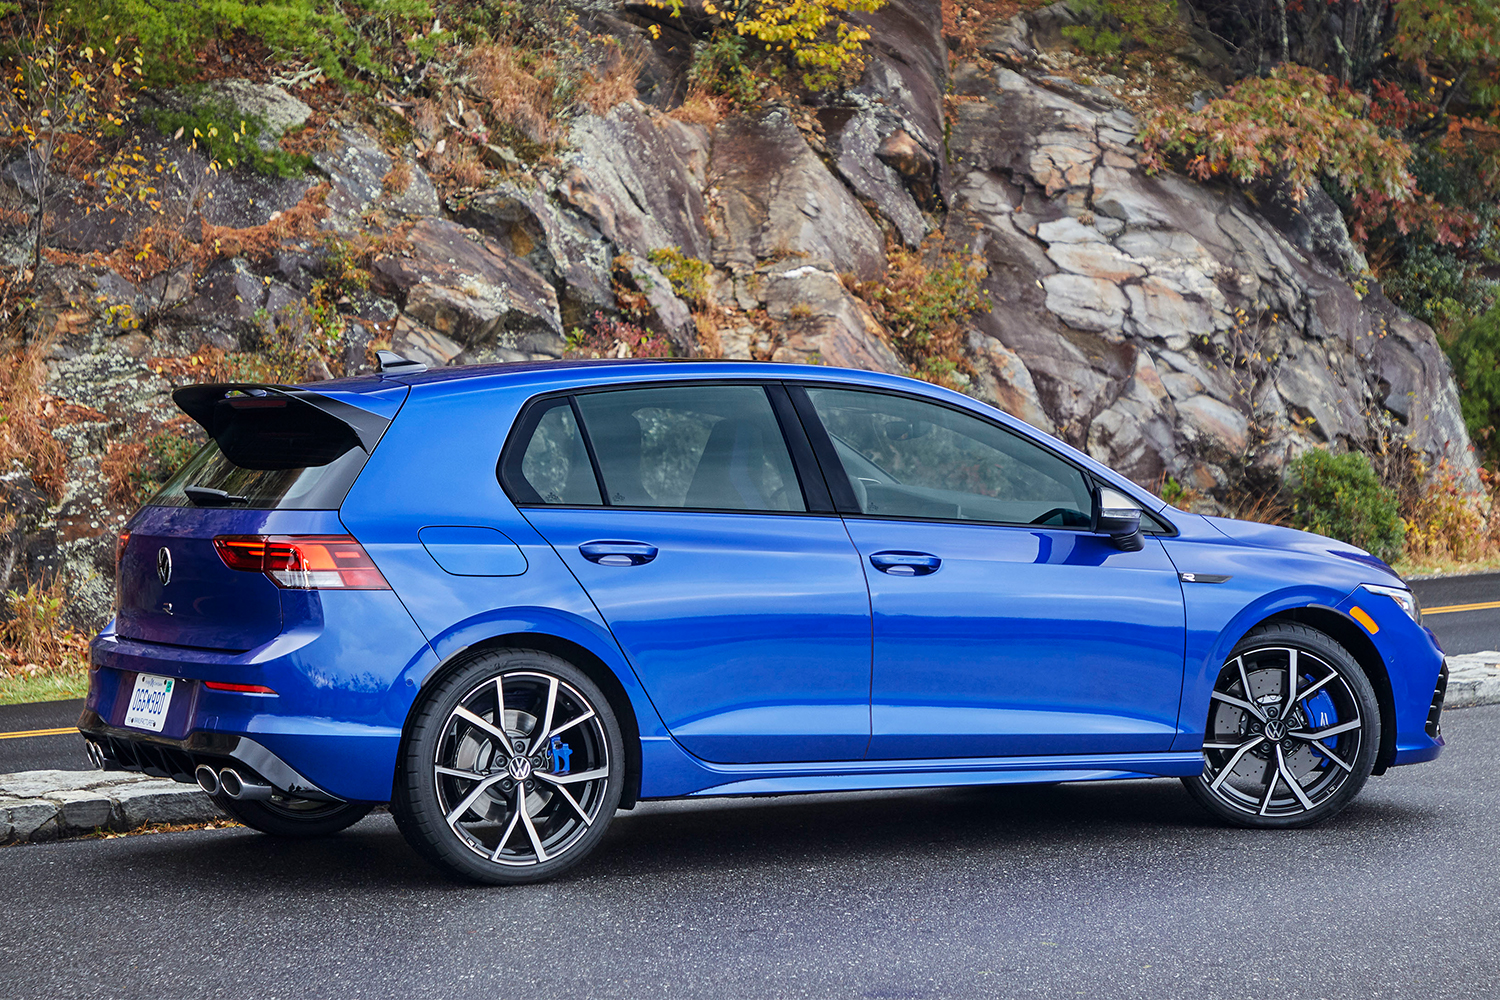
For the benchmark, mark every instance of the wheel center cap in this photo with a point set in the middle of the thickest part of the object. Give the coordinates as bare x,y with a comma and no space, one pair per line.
1275,730
519,767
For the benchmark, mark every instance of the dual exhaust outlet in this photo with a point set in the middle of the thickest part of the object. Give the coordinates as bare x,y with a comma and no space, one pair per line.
230,782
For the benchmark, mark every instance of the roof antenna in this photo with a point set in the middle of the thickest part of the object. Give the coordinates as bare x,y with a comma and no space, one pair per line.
394,363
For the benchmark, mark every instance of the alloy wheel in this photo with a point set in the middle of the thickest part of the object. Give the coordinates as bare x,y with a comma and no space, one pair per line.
521,768
1288,730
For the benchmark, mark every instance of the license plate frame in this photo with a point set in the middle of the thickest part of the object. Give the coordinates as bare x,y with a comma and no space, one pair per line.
150,700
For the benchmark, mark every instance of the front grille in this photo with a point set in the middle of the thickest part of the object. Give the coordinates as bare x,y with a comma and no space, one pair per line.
1434,714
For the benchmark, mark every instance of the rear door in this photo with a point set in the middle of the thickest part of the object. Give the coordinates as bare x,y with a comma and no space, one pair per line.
726,577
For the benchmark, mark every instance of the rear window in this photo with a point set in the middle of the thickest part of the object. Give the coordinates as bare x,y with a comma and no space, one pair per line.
270,453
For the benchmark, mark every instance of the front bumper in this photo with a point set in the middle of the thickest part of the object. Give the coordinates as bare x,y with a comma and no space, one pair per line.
117,749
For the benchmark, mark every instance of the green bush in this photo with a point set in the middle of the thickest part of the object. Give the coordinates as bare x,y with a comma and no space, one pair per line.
1438,285
335,37
216,126
1476,365
1341,497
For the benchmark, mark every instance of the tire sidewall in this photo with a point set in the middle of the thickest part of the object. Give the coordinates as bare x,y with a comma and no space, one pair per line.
415,802
1302,637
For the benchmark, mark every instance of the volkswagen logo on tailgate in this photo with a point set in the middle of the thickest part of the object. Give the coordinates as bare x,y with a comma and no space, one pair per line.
164,565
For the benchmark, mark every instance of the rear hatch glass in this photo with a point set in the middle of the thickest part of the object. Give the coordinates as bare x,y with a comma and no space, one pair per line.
272,450
277,461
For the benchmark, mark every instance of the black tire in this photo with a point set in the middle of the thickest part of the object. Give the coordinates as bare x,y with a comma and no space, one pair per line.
518,811
303,818
1257,746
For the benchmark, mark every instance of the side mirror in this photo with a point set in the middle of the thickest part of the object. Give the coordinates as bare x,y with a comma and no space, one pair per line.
1119,517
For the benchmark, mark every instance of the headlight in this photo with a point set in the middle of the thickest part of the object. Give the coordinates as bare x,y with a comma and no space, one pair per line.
1401,596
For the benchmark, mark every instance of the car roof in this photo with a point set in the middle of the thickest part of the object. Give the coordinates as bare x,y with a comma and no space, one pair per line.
596,369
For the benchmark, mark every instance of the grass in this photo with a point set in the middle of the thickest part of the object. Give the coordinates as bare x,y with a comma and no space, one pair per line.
24,689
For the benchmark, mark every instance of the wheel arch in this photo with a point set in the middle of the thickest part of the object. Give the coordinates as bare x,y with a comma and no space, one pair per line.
581,657
1352,637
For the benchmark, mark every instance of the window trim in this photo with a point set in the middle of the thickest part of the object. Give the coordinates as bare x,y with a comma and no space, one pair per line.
810,479
843,494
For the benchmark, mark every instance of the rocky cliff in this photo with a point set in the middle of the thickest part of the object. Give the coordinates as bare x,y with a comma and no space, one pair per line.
1166,327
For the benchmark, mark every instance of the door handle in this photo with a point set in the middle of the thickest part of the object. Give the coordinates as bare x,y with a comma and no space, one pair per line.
906,563
618,553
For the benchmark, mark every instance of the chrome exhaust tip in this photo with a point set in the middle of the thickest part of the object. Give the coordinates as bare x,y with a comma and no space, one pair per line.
236,787
94,753
208,779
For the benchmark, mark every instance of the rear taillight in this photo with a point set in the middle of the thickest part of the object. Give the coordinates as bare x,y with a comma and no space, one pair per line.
120,544
303,562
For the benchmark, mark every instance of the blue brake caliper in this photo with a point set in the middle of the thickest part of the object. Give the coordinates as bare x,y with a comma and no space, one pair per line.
562,756
1321,713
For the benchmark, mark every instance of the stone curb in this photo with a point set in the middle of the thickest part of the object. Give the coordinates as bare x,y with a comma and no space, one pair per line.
46,805
1473,679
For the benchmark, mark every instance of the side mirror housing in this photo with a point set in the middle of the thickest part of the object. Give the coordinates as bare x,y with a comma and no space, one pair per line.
1119,517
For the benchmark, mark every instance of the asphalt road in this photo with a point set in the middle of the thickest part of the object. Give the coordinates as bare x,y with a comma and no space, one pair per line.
1459,631
63,751
1097,890
1467,631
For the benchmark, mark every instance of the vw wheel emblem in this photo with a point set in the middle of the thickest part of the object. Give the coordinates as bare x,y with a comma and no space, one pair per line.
164,565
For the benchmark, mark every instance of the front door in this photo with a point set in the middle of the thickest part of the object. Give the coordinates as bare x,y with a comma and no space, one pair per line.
1002,626
745,616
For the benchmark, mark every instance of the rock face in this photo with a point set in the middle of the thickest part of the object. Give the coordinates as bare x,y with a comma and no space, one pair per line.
1165,327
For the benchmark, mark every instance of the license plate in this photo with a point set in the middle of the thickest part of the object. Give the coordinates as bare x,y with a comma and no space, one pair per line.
149,702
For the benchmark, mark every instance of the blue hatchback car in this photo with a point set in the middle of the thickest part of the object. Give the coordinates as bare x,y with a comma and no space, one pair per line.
511,599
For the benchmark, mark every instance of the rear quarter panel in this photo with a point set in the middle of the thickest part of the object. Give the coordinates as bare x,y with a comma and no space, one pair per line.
436,465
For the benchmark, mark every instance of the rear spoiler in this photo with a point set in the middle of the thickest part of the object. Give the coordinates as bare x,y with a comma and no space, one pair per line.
202,403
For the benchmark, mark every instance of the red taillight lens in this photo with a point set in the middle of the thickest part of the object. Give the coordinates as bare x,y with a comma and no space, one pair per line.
303,562
238,688
123,541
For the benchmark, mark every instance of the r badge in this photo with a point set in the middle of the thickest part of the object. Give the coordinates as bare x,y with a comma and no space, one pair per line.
164,565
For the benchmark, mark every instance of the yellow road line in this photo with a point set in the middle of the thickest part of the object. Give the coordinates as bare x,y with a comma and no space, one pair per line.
1451,608
38,732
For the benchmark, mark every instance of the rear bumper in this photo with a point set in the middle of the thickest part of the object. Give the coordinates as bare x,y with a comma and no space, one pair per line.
343,686
120,749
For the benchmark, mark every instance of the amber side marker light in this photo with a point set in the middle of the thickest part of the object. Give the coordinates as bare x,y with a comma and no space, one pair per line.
303,562
1359,615
238,688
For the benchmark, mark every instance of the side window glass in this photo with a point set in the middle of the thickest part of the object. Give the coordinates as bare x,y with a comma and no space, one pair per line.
708,447
908,458
554,463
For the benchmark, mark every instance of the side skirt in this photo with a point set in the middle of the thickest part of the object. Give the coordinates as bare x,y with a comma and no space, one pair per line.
669,772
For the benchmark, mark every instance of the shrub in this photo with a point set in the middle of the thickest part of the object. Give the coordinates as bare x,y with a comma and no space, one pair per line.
1476,365
1142,21
922,300
688,275
34,640
1295,121
816,33
1445,521
211,122
334,37
613,338
24,436
1438,286
1341,497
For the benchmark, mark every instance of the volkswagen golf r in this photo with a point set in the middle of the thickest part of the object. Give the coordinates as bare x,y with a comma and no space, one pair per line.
511,599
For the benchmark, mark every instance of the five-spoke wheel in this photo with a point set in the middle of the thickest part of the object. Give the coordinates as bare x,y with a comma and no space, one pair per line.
1293,729
511,770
